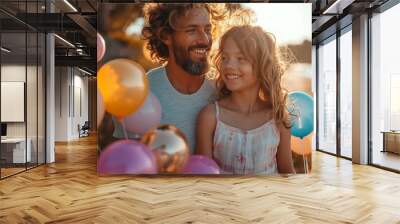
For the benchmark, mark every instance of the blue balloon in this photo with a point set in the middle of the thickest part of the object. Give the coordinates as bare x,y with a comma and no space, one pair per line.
301,112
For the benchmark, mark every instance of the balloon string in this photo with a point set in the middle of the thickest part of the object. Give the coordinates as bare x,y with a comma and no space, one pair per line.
305,163
124,128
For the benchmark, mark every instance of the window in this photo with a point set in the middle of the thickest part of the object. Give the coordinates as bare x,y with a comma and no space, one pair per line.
385,88
346,93
327,96
22,60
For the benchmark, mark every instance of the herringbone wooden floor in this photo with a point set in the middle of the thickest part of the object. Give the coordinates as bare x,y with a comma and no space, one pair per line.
70,191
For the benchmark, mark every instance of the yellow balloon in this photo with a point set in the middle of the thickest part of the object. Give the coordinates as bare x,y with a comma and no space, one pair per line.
123,85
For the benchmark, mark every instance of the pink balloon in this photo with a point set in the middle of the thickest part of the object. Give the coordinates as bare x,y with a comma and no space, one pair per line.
127,157
199,164
100,108
146,118
101,47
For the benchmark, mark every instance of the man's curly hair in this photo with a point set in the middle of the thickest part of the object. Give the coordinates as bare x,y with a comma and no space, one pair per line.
160,19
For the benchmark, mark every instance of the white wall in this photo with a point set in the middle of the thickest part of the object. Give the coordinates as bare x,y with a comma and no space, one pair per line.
61,103
16,73
10,73
71,93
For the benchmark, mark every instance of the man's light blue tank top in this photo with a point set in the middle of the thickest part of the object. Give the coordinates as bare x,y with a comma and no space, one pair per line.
178,109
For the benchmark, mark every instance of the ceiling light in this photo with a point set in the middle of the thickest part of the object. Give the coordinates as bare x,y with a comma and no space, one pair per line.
70,5
337,7
65,41
5,50
84,71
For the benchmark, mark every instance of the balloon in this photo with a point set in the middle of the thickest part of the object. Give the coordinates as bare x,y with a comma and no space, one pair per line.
146,118
127,157
100,109
123,85
199,164
301,110
101,47
301,146
169,146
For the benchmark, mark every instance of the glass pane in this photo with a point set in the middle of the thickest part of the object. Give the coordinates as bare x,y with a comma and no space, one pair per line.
327,97
31,97
386,89
13,85
22,80
346,94
31,84
13,154
41,99
314,90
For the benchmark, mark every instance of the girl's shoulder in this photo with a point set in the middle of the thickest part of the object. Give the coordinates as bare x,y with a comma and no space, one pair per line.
222,103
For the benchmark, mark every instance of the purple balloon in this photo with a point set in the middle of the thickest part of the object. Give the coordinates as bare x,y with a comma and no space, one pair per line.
146,118
127,157
199,164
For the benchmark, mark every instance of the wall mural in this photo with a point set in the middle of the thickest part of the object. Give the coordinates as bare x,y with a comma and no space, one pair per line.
204,88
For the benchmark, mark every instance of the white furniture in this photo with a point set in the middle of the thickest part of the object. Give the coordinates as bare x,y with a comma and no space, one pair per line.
18,149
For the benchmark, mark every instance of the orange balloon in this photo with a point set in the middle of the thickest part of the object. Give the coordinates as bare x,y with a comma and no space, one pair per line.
301,146
123,85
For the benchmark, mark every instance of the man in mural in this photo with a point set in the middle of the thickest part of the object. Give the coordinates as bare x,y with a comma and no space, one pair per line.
180,37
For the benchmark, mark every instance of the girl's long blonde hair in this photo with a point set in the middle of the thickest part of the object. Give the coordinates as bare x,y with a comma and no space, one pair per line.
268,62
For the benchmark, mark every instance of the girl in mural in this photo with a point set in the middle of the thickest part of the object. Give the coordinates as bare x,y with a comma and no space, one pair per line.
247,130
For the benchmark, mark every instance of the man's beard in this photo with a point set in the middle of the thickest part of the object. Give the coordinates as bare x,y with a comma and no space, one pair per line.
183,59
